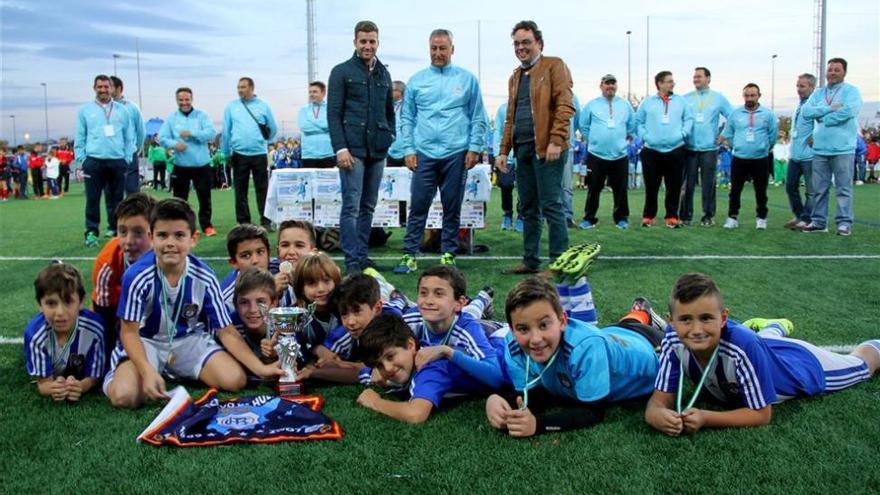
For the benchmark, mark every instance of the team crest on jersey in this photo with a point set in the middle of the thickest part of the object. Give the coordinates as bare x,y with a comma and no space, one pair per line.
190,311
564,380
730,389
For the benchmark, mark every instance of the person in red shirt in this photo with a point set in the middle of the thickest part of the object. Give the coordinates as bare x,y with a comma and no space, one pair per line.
872,157
35,164
5,176
65,156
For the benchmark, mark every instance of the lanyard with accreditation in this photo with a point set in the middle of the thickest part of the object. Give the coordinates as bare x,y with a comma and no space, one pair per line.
108,127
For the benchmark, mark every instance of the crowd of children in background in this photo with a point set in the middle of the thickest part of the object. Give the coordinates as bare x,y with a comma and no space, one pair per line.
160,313
45,169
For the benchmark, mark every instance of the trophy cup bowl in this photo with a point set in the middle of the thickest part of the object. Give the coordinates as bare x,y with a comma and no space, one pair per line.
288,322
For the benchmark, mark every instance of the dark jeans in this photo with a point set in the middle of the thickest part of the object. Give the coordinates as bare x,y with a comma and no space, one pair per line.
37,181
507,183
103,176
447,174
64,177
742,169
132,176
540,192
616,171
22,177
657,168
52,185
700,164
326,162
243,166
201,178
797,168
159,175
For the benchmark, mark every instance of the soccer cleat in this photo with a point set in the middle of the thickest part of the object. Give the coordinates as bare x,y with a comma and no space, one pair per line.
506,223
673,223
568,255
647,222
488,293
406,265
731,223
519,225
758,324
110,234
622,225
385,287
643,304
586,225
447,259
793,223
210,231
844,230
91,239
761,224
707,222
812,228
577,266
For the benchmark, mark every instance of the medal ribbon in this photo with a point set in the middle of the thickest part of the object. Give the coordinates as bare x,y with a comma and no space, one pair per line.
53,344
706,371
171,318
531,383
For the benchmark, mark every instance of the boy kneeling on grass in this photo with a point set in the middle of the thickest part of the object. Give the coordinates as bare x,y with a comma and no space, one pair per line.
167,298
745,370
64,344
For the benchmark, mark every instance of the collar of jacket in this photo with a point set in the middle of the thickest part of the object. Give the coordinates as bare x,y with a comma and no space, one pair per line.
442,70
376,62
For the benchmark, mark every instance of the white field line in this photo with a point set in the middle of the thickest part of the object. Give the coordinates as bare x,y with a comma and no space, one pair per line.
602,257
841,348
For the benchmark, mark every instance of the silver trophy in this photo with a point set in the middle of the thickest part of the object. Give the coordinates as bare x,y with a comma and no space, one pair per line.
288,322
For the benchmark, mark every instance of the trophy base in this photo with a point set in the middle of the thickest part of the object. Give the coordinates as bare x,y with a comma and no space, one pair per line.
290,388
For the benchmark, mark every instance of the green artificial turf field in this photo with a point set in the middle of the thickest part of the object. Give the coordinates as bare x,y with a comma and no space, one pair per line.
829,444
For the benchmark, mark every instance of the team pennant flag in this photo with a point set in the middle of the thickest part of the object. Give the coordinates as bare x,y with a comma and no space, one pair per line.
261,419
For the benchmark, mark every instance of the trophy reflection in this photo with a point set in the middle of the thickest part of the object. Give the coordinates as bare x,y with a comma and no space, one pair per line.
288,323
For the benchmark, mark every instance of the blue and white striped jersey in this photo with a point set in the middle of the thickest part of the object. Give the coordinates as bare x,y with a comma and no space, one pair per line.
88,342
466,335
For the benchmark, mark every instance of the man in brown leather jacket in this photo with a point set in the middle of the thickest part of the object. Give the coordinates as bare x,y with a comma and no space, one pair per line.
537,129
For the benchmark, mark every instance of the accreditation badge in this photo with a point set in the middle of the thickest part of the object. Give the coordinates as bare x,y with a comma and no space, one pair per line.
109,131
750,136
190,311
699,118
664,119
611,123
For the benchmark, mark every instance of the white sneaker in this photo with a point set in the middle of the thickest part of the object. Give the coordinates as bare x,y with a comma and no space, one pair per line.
761,224
859,183
731,223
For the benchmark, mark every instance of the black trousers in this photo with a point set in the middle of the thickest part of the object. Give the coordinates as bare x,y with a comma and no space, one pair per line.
159,169
617,174
64,178
37,181
201,178
741,169
657,168
243,166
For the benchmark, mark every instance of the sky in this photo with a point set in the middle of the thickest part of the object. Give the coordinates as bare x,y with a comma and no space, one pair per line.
208,45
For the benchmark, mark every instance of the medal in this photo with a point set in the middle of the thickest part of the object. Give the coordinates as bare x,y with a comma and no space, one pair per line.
285,267
171,359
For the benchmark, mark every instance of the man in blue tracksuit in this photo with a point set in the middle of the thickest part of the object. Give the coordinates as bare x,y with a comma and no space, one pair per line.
752,130
801,162
834,109
103,145
663,121
606,122
443,132
188,132
360,112
245,120
707,107
132,172
317,152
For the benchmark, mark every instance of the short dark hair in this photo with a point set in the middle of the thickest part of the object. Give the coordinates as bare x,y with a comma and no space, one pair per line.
252,278
355,290
529,26
531,290
62,279
320,85
705,71
137,204
183,89
173,209
752,85
245,232
385,331
101,77
117,82
449,274
661,76
838,60
299,224
248,79
365,27
692,286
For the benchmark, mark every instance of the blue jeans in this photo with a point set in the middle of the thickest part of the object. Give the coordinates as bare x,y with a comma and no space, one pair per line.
360,190
567,194
132,176
107,176
841,168
797,168
861,168
540,191
449,175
